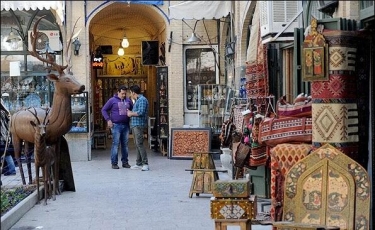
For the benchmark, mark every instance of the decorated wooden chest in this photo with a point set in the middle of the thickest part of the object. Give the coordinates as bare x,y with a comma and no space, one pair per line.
233,208
232,188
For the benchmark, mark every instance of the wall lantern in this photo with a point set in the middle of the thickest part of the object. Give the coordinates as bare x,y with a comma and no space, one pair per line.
77,45
328,7
229,48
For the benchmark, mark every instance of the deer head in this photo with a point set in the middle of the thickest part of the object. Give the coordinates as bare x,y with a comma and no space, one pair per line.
65,83
41,126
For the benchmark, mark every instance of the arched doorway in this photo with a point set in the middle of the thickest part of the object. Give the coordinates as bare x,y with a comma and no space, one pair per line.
107,28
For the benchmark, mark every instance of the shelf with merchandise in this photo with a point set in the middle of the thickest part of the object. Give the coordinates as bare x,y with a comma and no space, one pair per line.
79,104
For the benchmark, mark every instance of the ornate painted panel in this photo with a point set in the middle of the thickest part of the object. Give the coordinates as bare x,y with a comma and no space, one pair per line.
327,187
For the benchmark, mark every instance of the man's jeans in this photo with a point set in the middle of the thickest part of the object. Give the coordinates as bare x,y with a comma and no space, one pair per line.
10,164
138,135
120,135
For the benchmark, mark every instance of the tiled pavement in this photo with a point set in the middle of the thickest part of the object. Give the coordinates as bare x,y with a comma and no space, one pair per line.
127,199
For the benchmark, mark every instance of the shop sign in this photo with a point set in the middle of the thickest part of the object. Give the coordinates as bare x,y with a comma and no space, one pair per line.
98,62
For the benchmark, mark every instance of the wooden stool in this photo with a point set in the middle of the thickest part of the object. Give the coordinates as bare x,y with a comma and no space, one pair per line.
222,224
100,139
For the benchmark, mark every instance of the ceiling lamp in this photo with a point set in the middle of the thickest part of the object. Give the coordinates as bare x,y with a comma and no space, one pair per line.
194,37
120,51
13,39
125,42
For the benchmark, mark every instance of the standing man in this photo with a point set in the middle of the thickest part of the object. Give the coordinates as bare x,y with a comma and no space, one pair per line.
115,112
138,123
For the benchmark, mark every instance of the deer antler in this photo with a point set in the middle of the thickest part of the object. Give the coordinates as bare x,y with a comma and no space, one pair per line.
47,111
50,59
35,114
68,55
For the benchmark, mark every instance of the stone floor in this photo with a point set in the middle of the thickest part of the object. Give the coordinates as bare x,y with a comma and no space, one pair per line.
126,199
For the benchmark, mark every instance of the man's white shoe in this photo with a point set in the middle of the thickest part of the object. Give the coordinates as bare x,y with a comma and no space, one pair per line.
145,168
136,167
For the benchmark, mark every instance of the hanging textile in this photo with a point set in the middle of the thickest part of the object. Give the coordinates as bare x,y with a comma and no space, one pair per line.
256,64
335,102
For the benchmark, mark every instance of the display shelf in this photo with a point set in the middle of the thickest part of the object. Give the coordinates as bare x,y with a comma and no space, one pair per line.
21,92
211,106
79,113
151,138
162,108
106,87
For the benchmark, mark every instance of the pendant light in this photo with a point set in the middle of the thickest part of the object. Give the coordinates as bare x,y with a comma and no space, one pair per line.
121,50
194,37
125,42
13,39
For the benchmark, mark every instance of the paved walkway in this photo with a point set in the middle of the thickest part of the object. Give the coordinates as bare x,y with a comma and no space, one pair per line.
126,199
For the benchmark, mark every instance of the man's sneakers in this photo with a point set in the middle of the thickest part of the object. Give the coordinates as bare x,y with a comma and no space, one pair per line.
115,167
136,167
124,165
143,168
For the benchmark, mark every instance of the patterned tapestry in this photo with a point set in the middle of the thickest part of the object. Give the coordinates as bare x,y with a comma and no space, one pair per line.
283,157
256,66
335,102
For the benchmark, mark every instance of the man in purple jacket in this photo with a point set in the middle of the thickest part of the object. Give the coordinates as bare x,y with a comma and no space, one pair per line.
115,113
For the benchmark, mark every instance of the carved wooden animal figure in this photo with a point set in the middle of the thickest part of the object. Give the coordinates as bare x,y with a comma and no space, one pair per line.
45,158
60,116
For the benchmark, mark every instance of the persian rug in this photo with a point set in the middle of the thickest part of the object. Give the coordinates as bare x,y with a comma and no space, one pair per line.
283,157
256,66
335,101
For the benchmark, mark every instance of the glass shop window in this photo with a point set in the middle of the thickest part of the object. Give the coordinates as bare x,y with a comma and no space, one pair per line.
201,67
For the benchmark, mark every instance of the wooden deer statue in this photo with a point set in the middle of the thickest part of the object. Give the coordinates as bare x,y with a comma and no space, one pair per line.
45,158
60,116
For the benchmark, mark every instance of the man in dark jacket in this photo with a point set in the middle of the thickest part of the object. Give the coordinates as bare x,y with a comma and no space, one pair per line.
115,113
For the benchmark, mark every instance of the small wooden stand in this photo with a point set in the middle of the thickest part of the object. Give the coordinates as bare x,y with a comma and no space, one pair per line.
222,224
100,139
204,173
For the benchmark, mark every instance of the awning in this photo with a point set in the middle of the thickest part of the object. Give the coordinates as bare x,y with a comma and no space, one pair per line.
57,6
200,10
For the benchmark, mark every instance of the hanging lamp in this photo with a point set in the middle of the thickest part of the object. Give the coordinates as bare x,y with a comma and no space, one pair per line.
121,50
125,42
194,37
